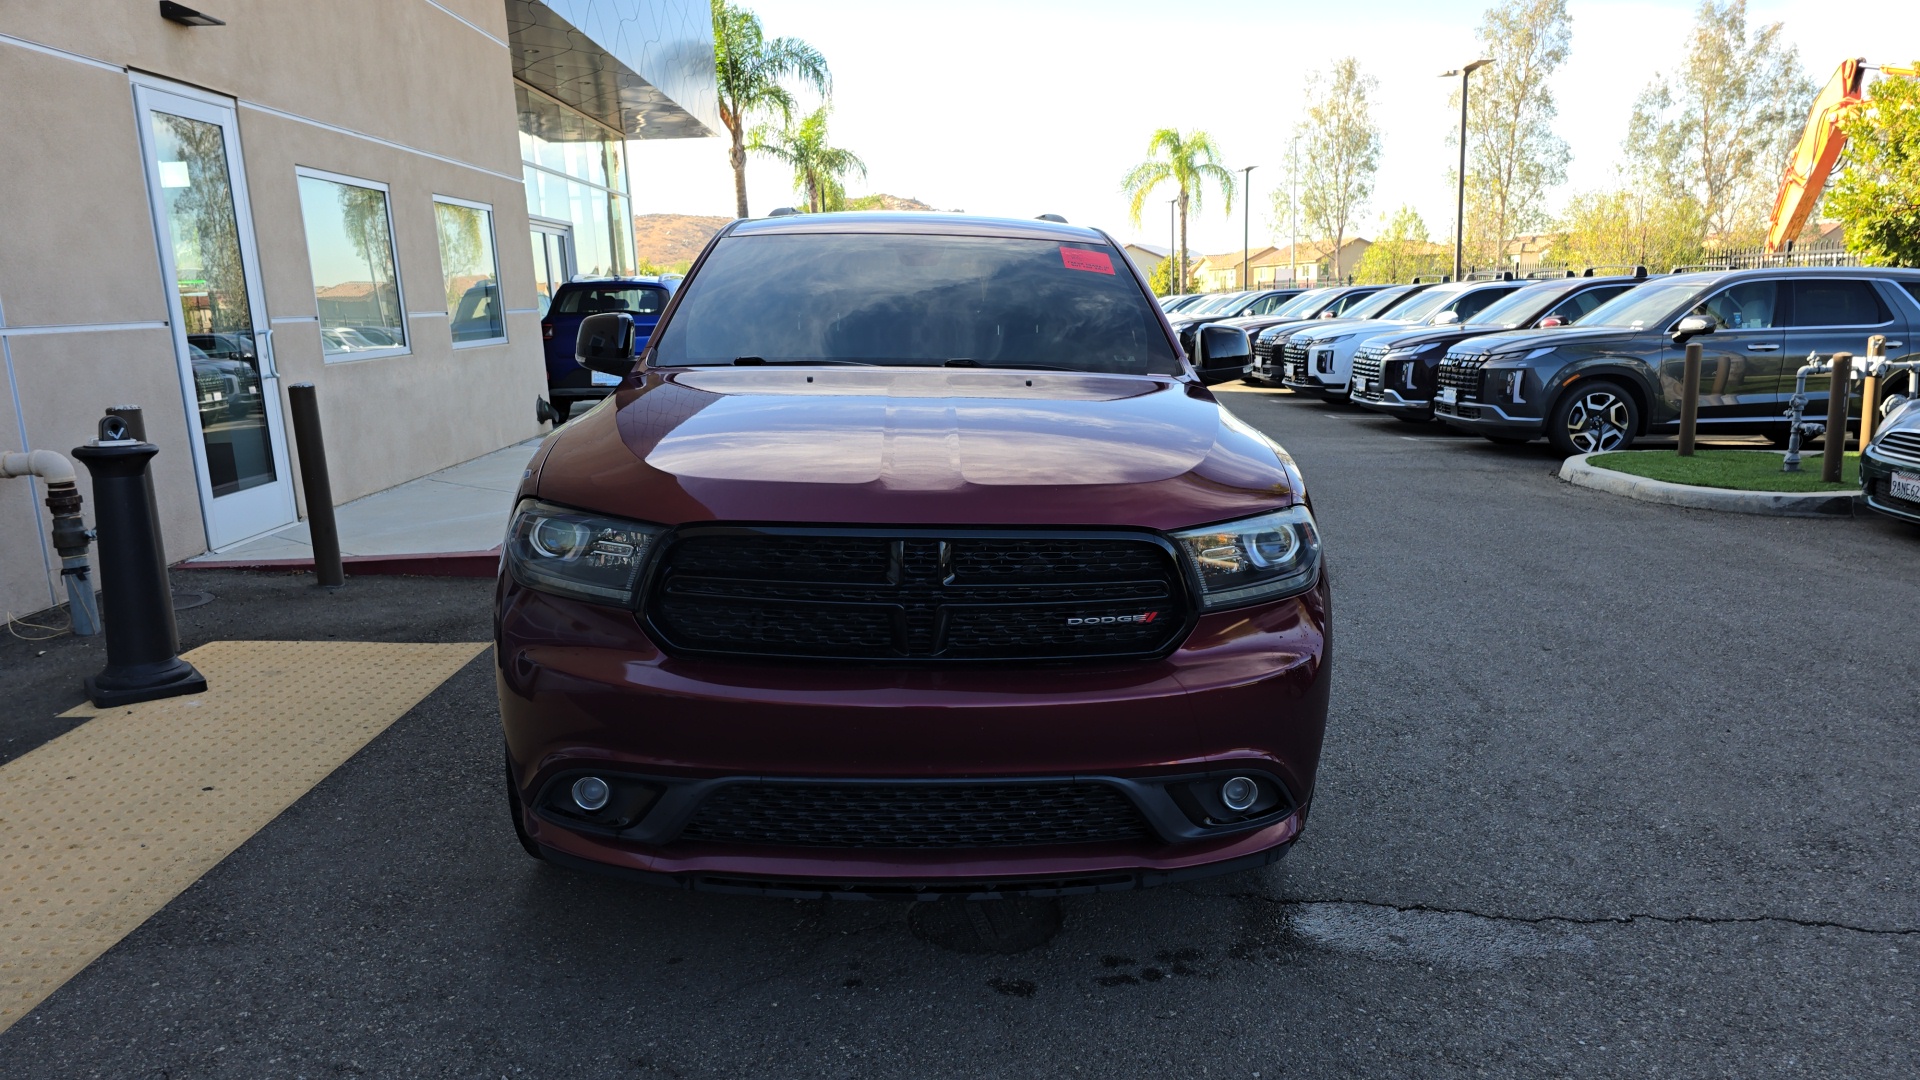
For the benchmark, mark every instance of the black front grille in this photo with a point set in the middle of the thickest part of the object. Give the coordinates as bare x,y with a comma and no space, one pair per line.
1263,349
1367,366
1462,372
927,596
928,815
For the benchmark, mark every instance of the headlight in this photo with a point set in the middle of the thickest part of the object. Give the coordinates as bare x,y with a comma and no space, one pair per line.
1410,353
584,556
1247,562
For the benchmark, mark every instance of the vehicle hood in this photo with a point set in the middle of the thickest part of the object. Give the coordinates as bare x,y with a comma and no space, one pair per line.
1906,417
1426,335
1589,337
919,446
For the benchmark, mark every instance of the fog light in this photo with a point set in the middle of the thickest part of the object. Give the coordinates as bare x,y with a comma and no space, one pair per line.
1239,794
591,793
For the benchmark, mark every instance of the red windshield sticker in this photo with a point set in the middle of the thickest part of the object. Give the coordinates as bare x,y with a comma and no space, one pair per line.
1080,259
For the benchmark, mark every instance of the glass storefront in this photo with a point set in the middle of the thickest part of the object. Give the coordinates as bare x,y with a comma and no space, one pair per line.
576,171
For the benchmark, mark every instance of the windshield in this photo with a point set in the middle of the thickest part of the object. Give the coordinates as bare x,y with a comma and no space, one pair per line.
1426,303
1646,304
1519,307
918,300
591,300
1211,304
1301,303
1378,304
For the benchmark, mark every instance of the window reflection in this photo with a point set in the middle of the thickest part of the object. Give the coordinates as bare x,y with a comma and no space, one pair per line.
576,171
468,268
350,246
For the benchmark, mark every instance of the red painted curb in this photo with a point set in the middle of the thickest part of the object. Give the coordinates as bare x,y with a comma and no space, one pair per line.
467,564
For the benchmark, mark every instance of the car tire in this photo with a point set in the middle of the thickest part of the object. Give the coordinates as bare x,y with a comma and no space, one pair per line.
517,811
1593,418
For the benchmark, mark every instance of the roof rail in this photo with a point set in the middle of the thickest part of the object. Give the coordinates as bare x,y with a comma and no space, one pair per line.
1637,271
1691,267
782,211
1549,275
1489,275
1431,280
1051,217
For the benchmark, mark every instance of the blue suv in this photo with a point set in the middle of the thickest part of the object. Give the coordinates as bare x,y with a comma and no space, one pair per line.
567,381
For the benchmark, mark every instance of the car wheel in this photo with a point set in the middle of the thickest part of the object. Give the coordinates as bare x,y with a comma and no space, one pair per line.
1595,418
517,811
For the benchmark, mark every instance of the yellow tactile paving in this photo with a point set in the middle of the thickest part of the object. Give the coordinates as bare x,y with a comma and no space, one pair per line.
102,826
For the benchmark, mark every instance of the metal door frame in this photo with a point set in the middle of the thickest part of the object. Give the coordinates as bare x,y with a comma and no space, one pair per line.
271,506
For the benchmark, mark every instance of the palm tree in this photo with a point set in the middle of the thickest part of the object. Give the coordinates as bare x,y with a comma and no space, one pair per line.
748,71
1189,161
817,167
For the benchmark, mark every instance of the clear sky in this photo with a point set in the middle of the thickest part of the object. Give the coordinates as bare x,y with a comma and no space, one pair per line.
1023,107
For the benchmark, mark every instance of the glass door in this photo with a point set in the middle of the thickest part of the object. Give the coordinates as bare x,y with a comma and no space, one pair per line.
221,340
552,260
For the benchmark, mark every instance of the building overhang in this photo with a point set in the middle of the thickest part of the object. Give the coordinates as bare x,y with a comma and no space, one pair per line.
642,67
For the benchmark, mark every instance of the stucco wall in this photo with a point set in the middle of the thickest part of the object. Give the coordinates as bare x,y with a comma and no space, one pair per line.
398,91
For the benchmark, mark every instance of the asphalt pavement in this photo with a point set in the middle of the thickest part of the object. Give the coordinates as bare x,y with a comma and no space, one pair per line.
1610,789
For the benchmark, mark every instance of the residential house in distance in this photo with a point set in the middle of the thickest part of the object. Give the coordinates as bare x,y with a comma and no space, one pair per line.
1145,256
1279,267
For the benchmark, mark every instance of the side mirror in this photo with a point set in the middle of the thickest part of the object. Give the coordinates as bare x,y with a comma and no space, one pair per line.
1446,318
606,343
1552,321
1222,353
1327,315
1691,327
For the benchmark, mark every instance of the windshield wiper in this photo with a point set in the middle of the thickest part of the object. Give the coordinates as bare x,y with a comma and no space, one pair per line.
761,361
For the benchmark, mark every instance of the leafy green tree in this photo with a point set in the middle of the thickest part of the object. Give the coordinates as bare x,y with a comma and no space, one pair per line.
1638,224
1160,280
1513,156
1878,194
1190,161
1401,252
1340,153
817,166
751,73
1722,128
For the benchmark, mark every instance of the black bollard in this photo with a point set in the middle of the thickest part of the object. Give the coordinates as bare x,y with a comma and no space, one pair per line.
321,528
143,642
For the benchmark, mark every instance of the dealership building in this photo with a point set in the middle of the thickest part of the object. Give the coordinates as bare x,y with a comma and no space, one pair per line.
205,205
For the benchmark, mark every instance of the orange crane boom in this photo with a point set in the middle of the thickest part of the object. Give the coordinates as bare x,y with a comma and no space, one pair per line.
1813,160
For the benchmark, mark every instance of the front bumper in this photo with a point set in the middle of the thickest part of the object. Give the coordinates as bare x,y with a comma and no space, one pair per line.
1876,472
1313,388
1384,400
1485,419
582,688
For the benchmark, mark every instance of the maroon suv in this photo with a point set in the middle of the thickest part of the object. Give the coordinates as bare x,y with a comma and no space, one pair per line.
911,557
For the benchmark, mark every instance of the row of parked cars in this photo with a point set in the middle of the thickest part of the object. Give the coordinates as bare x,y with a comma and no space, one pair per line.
1590,362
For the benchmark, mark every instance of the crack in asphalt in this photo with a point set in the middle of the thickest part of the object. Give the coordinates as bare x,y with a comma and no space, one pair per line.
1574,920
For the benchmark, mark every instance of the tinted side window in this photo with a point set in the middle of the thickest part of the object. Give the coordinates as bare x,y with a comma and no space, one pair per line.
1837,302
1914,288
596,299
1576,306
1474,302
1352,299
1749,305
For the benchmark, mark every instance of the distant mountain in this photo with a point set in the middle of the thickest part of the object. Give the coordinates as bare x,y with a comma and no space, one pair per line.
885,202
667,239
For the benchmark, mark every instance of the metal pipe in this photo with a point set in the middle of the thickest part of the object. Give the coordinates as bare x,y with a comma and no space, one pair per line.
1796,411
70,534
321,528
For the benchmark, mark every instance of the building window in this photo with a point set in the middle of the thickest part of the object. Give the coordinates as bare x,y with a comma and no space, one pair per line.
469,267
576,171
350,247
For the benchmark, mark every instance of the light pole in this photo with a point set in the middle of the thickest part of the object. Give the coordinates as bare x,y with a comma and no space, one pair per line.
1174,284
1293,212
1460,208
1246,226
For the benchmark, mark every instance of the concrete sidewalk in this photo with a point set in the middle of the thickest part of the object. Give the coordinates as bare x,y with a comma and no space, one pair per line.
455,514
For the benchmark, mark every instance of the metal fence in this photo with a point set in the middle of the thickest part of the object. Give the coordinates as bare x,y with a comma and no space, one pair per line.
1756,258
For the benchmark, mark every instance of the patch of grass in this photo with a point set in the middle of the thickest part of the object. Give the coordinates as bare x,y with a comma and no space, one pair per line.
1744,470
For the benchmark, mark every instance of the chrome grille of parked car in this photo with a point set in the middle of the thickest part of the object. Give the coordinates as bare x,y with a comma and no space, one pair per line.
1902,444
1462,372
1295,355
919,596
923,815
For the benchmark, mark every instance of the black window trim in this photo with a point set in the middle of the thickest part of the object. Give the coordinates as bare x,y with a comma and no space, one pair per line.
1792,304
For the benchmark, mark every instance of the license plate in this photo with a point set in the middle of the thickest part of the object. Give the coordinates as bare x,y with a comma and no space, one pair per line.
1905,486
1449,394
601,378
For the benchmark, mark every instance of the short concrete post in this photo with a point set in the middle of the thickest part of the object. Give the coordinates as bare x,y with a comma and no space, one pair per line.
1837,389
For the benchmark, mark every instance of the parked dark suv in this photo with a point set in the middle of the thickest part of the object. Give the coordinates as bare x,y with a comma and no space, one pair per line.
567,381
913,558
1397,373
1617,375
